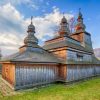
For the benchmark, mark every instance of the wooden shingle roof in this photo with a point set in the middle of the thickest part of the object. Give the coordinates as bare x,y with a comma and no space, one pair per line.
66,43
34,55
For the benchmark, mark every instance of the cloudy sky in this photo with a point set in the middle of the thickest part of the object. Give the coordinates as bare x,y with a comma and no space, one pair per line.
15,17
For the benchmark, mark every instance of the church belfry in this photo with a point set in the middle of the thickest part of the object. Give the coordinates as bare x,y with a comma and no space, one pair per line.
80,27
64,27
80,33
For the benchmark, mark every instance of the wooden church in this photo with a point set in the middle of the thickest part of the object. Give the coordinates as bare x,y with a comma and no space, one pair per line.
66,57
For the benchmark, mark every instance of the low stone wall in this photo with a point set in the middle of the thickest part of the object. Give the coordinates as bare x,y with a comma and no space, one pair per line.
77,72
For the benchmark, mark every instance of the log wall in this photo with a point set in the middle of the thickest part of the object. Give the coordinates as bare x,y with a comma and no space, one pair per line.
32,75
77,72
72,55
29,75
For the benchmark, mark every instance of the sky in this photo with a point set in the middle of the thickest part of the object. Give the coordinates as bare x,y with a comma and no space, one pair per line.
15,17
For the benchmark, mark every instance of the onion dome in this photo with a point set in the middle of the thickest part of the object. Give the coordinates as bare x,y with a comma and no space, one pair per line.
31,39
64,27
31,27
80,15
63,20
80,25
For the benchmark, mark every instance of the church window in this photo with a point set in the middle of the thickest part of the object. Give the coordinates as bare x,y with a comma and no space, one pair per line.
79,57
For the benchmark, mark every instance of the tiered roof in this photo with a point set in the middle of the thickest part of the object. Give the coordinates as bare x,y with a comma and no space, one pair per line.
31,51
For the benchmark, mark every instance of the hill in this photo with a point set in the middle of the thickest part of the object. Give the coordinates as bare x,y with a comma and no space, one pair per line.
97,52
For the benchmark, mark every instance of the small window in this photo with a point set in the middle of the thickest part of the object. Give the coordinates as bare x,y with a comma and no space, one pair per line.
79,58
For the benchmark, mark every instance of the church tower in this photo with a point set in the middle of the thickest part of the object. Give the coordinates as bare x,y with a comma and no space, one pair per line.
64,27
57,44
80,26
30,40
80,33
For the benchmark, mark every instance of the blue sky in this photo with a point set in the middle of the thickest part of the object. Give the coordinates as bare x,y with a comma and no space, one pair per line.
15,17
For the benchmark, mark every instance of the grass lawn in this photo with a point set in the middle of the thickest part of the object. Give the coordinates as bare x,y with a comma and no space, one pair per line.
88,90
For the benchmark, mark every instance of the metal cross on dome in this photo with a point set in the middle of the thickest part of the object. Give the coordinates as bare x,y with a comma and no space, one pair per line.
79,9
31,19
63,13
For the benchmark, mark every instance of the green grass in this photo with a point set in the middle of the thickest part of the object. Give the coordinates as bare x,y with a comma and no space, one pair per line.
88,90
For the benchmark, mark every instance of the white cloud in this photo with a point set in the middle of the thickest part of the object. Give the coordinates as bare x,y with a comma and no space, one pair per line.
33,4
48,25
15,2
13,27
